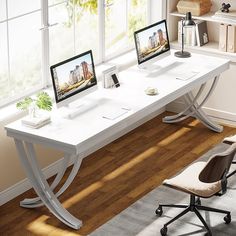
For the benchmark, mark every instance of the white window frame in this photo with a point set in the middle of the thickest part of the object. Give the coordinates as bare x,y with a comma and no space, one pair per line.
156,10
30,91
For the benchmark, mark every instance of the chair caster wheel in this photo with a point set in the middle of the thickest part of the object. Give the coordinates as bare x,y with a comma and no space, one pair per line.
227,218
163,231
159,211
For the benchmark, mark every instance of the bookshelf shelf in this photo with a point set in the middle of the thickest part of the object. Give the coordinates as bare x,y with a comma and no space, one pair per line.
208,17
213,24
211,47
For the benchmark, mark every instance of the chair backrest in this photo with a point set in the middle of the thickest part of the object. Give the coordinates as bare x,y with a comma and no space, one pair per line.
218,165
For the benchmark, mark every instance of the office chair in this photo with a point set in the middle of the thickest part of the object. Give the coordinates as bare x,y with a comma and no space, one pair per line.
201,180
233,162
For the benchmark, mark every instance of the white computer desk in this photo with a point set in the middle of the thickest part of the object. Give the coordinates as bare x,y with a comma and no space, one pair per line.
90,131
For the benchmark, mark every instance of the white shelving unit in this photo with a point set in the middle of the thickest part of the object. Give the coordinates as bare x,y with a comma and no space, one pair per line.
213,29
210,17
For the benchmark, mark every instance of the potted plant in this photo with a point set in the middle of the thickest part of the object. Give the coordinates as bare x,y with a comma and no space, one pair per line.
42,101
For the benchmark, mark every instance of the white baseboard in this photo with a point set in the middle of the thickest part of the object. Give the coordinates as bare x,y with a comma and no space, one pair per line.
222,117
24,185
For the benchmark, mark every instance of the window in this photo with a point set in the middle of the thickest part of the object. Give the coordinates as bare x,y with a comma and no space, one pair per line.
36,34
20,48
75,29
122,18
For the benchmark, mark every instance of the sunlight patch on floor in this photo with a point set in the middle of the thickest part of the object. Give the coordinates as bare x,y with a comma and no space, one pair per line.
193,123
122,169
82,194
40,227
119,171
171,138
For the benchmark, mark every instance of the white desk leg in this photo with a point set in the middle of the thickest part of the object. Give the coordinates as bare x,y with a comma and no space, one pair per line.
40,185
201,115
36,202
194,108
173,118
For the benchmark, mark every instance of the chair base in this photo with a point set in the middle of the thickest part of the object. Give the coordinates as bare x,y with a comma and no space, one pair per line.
194,206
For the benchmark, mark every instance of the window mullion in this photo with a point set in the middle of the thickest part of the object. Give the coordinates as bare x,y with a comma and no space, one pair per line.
45,42
8,48
101,29
74,25
127,2
149,12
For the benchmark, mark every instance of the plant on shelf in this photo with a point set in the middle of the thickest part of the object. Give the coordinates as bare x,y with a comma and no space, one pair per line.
42,101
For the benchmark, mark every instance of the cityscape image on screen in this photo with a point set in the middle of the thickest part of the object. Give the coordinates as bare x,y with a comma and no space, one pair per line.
151,41
73,75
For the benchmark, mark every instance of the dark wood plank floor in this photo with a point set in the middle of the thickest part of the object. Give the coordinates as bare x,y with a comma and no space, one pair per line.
116,176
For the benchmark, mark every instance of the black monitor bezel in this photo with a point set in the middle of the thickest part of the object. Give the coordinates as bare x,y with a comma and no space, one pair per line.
145,28
64,62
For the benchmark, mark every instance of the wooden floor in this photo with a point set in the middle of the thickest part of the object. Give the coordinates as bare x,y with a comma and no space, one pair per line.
116,176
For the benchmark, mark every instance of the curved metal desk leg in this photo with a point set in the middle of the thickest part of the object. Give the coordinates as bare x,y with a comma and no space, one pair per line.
34,202
197,116
195,109
168,119
69,180
206,120
41,186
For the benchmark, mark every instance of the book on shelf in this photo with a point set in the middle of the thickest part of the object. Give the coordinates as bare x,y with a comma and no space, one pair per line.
189,35
36,122
231,39
223,33
201,33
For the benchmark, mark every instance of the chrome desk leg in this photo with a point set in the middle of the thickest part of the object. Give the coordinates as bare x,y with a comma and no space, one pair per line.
40,185
36,202
206,120
173,118
193,108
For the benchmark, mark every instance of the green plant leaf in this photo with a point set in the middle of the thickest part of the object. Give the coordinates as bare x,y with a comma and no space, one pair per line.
24,104
44,101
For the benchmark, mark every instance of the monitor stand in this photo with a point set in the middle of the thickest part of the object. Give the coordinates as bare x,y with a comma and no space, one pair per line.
150,67
74,109
153,64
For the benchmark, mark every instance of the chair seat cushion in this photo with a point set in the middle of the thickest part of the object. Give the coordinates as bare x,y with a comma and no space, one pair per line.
188,181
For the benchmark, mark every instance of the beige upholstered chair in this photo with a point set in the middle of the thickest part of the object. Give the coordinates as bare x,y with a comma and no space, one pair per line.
201,180
233,162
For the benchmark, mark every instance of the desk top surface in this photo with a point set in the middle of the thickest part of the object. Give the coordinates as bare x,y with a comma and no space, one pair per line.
82,131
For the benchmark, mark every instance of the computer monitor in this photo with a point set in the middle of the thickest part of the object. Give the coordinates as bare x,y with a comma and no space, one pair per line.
73,78
152,43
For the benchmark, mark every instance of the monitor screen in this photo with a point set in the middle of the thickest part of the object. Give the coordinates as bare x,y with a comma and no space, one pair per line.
151,41
73,76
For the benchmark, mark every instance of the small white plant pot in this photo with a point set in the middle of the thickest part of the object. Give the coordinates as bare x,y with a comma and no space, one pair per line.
33,110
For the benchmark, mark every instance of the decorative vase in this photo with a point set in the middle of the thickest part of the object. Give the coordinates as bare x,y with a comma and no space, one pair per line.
33,110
